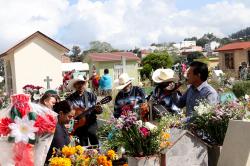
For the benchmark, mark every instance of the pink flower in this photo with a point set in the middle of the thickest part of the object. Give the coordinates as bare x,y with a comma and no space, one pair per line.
4,126
144,131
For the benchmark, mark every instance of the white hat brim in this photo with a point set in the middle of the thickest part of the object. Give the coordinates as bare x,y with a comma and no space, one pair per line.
156,79
119,87
71,83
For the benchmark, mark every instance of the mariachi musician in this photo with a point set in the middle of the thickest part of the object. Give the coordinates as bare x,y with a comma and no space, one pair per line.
82,99
162,95
129,97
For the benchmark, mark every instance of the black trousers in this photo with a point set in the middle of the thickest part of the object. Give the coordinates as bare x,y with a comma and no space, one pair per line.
87,132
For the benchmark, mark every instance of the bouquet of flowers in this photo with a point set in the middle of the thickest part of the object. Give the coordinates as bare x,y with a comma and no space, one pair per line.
137,137
80,156
34,91
210,122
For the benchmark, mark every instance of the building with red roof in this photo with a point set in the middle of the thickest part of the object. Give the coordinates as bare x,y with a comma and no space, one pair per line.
114,62
232,55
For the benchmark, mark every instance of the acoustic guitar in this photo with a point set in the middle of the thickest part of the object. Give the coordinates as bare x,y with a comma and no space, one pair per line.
80,113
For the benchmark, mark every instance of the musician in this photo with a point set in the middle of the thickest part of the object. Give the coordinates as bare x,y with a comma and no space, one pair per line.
163,93
128,95
83,99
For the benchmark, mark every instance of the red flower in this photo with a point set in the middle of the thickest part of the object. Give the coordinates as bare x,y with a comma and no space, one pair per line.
20,101
45,124
23,154
144,131
4,126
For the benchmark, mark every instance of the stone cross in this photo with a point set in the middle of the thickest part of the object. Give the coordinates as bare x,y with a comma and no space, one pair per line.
48,81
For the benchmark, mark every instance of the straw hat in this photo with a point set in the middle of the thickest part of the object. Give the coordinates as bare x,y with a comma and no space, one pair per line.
123,81
163,75
75,80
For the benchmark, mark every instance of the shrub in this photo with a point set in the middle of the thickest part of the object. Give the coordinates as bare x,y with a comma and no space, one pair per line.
241,88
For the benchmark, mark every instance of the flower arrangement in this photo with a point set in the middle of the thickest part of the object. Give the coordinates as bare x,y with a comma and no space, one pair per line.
80,156
34,91
23,127
210,122
137,137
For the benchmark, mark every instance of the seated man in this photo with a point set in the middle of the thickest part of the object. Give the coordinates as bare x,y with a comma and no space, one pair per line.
162,96
128,96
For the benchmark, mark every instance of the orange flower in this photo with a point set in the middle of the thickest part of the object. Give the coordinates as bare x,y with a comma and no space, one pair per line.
125,164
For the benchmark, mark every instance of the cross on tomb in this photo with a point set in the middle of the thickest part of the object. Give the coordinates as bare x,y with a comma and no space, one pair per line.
48,81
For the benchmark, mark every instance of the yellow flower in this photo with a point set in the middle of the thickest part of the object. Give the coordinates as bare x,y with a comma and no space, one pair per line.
68,151
59,161
79,149
165,136
111,154
101,160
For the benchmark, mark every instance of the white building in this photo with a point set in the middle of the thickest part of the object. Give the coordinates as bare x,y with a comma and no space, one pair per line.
36,60
185,44
209,47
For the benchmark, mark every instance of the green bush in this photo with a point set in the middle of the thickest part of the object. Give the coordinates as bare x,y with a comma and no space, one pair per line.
241,88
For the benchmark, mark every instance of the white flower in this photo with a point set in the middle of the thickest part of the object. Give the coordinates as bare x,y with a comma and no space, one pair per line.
139,123
150,126
23,129
203,108
246,97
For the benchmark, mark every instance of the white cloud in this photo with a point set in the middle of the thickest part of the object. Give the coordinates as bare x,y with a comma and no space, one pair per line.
123,23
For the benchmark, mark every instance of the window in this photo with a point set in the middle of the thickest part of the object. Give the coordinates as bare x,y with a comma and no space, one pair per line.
118,70
229,61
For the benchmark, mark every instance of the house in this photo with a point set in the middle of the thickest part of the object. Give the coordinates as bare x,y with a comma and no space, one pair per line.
35,60
232,55
113,62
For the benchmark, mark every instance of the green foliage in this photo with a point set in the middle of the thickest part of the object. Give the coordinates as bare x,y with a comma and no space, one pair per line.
241,88
155,61
146,70
194,55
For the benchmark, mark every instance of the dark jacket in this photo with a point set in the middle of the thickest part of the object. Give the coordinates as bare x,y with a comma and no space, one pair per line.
60,139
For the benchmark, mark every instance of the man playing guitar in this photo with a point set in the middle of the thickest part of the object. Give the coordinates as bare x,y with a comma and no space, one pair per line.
82,99
129,97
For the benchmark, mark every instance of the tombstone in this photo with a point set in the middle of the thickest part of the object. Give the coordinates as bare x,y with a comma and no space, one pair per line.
216,74
186,150
236,147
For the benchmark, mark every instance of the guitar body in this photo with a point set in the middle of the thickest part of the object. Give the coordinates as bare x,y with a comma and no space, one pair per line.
80,113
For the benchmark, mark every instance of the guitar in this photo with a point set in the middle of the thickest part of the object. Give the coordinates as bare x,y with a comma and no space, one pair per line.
80,113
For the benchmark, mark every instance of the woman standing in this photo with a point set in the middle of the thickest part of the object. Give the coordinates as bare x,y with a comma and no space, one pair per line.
61,137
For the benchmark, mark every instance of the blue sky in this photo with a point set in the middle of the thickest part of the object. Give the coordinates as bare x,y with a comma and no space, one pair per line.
125,24
193,4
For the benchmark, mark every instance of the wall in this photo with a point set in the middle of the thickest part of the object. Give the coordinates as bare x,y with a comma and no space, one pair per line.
36,60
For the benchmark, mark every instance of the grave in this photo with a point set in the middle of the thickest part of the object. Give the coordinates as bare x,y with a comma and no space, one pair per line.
236,147
186,150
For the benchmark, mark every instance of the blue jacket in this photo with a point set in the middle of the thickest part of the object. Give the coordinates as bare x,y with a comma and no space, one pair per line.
105,82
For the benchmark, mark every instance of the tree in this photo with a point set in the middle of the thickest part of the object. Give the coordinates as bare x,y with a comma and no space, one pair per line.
97,46
75,54
155,61
194,55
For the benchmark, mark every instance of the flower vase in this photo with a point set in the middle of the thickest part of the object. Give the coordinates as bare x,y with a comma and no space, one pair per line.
213,155
144,161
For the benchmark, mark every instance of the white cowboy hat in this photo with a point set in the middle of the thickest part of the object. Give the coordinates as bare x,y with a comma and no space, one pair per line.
72,82
123,81
163,75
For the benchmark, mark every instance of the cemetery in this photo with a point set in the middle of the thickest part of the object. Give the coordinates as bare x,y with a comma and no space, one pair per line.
215,134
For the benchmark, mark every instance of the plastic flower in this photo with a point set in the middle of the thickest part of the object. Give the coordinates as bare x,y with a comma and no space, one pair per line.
23,129
4,126
45,124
